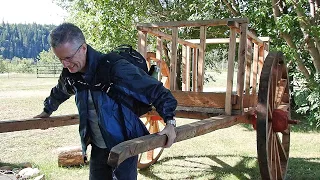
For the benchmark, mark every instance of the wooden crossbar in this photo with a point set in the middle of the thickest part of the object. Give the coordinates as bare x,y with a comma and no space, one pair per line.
38,123
213,22
136,146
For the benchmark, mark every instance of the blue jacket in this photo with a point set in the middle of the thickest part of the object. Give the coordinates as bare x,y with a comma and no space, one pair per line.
112,116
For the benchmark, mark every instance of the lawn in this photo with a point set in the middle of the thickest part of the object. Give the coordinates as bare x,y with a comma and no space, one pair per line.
224,154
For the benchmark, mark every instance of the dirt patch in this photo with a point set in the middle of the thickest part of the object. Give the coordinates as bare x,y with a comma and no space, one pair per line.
24,94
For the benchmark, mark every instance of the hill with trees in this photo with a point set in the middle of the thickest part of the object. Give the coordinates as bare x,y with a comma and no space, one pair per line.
23,40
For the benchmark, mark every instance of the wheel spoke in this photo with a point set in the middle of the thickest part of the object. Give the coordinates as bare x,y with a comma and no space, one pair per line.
140,157
278,169
150,155
282,153
280,91
147,121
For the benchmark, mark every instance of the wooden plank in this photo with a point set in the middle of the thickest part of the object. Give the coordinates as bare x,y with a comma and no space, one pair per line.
254,38
202,50
166,36
212,22
213,40
255,69
241,62
142,43
248,67
231,58
184,68
260,62
195,70
233,24
136,146
202,99
188,69
173,61
159,55
218,40
38,123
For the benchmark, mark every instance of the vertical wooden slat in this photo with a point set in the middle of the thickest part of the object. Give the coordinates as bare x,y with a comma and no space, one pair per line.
184,68
173,62
255,73
195,70
241,63
248,66
231,57
159,55
260,62
201,58
142,43
188,69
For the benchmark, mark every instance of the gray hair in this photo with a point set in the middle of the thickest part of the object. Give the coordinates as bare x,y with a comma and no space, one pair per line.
66,32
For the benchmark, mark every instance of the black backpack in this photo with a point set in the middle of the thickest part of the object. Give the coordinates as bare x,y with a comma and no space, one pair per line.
104,82
135,58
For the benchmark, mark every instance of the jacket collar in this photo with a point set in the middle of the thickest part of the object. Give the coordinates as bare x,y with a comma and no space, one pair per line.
92,59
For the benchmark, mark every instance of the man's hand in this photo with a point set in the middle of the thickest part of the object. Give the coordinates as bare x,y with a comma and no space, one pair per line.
170,132
42,115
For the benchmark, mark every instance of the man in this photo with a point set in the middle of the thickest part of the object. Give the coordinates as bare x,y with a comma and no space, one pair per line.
104,122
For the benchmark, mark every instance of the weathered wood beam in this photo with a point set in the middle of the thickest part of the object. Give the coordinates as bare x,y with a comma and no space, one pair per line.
231,58
38,123
173,60
212,22
166,36
201,63
159,55
242,50
142,43
219,40
202,99
136,146
195,69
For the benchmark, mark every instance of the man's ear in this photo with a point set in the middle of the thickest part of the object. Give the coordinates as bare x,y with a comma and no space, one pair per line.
85,47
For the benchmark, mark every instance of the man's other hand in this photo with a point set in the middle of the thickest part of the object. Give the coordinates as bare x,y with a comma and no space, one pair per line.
42,115
170,132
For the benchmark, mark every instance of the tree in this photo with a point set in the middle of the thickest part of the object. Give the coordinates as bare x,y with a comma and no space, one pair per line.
297,25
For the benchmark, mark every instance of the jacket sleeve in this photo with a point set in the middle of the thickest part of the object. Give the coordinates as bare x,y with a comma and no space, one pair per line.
58,95
138,84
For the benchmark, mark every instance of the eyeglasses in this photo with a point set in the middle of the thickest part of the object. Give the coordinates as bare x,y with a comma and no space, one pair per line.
68,59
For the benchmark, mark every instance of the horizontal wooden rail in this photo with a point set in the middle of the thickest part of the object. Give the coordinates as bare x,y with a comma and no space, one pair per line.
213,22
221,40
167,36
193,105
136,146
38,123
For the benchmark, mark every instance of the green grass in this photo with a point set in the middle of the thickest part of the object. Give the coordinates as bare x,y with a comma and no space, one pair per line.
224,154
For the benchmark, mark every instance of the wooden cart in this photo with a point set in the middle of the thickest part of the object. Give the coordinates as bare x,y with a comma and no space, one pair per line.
261,98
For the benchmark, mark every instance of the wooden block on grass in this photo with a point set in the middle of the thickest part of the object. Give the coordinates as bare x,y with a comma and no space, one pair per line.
70,156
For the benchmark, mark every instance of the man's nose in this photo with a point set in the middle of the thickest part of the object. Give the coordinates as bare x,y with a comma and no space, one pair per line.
65,63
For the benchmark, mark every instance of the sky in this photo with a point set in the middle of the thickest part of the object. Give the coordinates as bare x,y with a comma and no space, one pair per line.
30,11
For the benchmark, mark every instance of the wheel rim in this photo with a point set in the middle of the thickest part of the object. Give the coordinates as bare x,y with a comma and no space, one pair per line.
154,124
272,146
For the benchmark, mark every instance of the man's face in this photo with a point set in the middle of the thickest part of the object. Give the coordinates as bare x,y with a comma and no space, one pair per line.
72,56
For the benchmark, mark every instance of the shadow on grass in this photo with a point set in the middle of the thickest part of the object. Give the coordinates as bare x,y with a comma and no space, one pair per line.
246,168
12,166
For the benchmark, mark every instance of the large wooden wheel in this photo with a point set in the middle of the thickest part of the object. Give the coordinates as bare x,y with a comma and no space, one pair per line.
273,114
153,123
